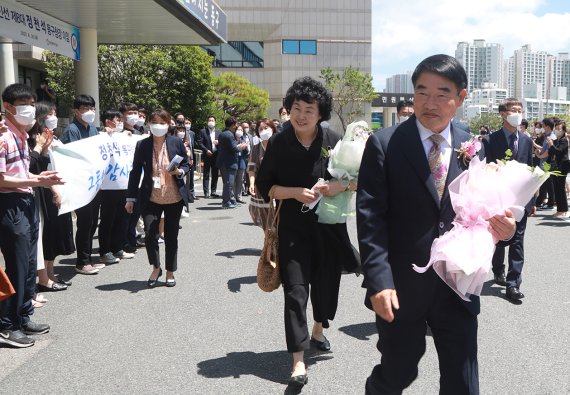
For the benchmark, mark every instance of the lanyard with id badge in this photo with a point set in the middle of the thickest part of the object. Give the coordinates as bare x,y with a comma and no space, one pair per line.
156,179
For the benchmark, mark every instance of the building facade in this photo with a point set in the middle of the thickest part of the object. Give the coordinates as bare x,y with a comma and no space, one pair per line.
400,83
527,67
482,62
273,43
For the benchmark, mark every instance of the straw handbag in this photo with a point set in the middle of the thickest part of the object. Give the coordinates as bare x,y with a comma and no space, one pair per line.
268,277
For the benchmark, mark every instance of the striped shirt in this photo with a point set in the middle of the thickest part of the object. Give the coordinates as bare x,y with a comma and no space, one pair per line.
14,157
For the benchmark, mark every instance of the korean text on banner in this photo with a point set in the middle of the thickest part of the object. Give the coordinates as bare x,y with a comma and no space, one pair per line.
92,164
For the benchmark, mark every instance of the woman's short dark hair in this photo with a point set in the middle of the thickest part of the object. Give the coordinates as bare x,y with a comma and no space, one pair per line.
267,122
445,66
43,108
310,91
162,114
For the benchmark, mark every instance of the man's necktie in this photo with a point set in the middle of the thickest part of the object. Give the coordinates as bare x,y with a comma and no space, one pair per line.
513,146
436,165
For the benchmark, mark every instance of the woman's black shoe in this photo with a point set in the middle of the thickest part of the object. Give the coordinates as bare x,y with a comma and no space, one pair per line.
63,281
152,283
54,287
298,381
170,282
323,346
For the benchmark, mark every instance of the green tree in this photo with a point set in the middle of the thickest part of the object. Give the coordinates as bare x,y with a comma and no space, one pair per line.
351,89
492,121
177,78
61,75
235,96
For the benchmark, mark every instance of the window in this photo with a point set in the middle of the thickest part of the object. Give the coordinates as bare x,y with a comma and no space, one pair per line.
299,47
236,54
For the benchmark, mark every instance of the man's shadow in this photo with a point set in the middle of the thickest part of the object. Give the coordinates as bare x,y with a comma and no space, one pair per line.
272,366
360,331
497,291
234,285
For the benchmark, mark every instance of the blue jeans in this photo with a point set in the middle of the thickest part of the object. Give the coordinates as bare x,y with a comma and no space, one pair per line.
228,178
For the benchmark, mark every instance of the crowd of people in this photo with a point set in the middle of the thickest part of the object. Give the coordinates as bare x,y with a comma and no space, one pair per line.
281,160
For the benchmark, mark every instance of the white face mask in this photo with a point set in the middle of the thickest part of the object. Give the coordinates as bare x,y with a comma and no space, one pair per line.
188,127
211,125
239,133
88,116
51,122
25,115
140,122
119,128
181,134
132,119
403,118
559,133
158,129
514,119
246,130
265,134
284,118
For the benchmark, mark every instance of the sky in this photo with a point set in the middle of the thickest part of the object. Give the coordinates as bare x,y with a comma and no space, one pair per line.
406,32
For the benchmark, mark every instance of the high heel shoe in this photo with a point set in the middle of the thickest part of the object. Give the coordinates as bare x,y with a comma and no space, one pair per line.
152,283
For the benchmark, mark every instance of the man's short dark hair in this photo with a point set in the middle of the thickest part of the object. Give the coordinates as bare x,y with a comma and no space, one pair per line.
83,100
445,66
231,121
211,116
508,103
143,110
548,122
110,115
524,123
281,110
125,107
179,114
404,103
17,92
310,91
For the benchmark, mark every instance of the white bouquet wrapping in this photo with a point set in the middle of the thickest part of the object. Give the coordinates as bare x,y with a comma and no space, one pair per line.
344,164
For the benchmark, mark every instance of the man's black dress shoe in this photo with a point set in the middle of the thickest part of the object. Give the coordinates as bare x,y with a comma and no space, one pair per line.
513,293
323,346
500,279
152,283
206,195
298,381
215,195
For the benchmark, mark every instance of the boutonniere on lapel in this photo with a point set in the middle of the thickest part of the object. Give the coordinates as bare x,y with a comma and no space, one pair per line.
468,150
326,152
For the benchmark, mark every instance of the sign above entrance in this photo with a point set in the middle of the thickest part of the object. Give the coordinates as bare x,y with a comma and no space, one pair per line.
26,25
211,15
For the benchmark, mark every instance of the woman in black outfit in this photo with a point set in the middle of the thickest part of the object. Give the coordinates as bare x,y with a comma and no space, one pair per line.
310,253
57,230
161,191
558,151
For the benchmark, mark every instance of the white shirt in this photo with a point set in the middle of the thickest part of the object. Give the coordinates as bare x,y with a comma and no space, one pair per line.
445,147
213,137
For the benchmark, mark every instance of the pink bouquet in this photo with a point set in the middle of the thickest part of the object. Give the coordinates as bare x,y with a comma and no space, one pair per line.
462,256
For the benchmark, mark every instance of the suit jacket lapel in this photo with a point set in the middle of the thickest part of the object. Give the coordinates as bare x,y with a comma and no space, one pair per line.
417,157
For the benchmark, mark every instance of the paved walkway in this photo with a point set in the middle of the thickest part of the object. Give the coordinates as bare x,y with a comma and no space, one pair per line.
217,333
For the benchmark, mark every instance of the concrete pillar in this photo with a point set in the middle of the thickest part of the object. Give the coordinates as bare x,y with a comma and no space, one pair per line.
7,75
86,69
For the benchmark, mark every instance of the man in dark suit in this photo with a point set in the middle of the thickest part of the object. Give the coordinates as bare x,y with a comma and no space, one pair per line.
208,143
402,205
521,150
227,161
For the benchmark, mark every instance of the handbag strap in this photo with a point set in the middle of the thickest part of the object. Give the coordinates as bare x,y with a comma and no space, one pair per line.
275,216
